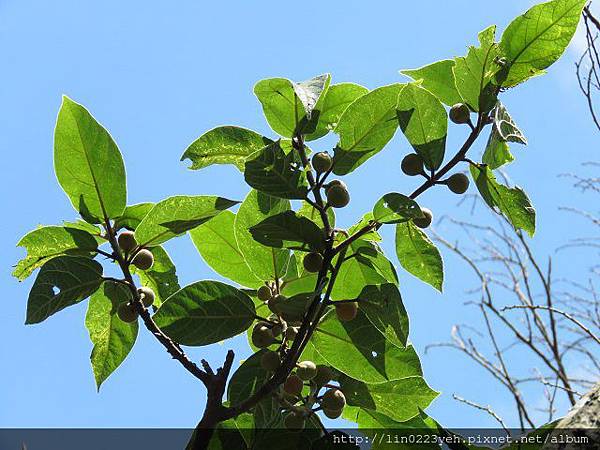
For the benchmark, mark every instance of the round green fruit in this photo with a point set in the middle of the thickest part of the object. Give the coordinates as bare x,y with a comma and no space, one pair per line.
127,312
333,400
313,262
460,113
294,422
127,241
425,221
458,183
262,336
346,311
275,303
270,361
276,330
306,370
337,196
264,293
293,385
323,376
143,260
322,162
412,165
147,296
332,413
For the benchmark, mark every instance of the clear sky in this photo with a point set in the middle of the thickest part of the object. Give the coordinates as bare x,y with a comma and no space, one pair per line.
157,75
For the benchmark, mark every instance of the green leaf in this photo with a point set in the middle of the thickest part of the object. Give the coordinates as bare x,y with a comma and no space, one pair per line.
334,103
48,242
113,339
424,122
383,307
297,279
360,351
62,282
506,127
400,400
247,379
513,203
534,41
497,152
437,78
395,208
476,74
176,215
88,164
161,277
289,230
311,213
365,220
418,255
368,266
276,173
91,229
133,215
288,106
215,241
265,262
205,312
365,127
224,145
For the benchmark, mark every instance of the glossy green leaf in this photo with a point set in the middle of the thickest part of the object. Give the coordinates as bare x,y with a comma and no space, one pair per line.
288,106
400,400
367,266
113,339
424,122
365,127
383,307
161,277
176,215
297,280
48,242
513,203
418,255
224,145
276,173
437,78
88,164
94,230
337,99
395,208
360,351
289,230
534,41
205,312
497,152
311,213
133,215
215,241
63,281
476,74
246,379
365,220
266,263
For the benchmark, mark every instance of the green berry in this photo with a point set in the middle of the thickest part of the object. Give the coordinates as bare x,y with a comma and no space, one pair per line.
333,399
337,196
332,413
306,370
293,385
147,296
313,262
460,113
275,303
270,361
321,162
127,312
127,241
264,293
276,330
425,221
412,165
346,311
143,260
323,376
294,421
262,336
458,183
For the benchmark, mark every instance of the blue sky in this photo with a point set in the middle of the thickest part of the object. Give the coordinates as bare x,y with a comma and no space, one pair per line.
159,74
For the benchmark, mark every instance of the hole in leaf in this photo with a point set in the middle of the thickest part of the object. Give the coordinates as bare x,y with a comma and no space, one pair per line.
55,290
374,354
